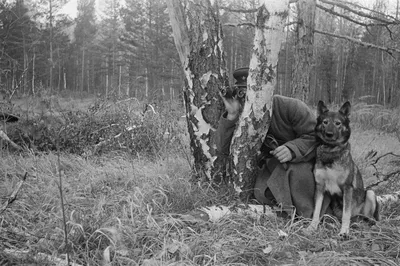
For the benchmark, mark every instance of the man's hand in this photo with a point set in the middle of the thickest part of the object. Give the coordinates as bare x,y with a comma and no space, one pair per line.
282,153
232,107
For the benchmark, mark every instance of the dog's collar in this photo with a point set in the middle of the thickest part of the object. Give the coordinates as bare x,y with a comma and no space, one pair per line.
335,148
329,154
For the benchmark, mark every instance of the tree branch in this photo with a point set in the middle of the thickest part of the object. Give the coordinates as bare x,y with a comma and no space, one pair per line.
368,9
333,12
359,13
388,50
384,155
254,10
385,178
249,24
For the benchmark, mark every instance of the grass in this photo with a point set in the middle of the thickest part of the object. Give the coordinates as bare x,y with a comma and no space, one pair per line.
131,210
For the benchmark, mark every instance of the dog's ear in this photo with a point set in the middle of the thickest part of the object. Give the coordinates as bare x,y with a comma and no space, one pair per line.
345,109
322,108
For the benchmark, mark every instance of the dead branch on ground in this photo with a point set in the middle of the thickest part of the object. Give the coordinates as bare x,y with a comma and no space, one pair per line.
4,137
386,176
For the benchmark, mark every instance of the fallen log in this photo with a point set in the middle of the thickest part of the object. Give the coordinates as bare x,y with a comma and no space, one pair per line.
388,198
4,137
14,194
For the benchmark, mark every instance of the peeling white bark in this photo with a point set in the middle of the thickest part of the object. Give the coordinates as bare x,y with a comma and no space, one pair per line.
200,49
254,120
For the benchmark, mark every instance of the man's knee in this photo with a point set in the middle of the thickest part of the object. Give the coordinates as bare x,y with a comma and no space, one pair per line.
302,185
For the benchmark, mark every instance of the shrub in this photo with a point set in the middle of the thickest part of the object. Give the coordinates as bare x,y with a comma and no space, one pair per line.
103,127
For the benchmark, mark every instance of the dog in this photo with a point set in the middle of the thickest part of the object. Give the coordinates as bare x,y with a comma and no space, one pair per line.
336,174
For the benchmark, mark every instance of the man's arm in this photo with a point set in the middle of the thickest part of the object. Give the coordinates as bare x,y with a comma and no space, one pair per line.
224,134
303,123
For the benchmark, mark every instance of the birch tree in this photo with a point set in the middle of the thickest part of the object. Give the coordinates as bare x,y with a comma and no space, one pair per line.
255,118
198,39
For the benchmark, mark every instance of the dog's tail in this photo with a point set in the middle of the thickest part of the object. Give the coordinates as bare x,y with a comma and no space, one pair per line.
371,205
377,215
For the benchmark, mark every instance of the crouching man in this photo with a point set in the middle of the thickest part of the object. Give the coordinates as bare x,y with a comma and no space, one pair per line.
285,176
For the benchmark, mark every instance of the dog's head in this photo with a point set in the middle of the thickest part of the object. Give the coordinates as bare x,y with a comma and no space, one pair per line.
333,128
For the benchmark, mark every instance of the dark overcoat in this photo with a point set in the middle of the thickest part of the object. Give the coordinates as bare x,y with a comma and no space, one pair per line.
292,124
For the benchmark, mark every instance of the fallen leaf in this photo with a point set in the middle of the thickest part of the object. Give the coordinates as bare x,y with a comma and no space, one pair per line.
282,234
375,247
267,250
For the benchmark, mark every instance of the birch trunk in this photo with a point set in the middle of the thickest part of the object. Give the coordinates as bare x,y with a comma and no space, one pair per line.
198,39
254,120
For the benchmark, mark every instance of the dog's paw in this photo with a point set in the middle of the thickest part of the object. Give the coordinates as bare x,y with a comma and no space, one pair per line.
313,225
311,228
344,233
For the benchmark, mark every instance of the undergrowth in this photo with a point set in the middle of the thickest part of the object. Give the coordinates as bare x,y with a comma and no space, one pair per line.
128,206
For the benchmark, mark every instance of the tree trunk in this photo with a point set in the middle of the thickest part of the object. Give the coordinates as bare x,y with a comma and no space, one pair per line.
119,80
51,45
254,120
198,39
146,80
304,45
107,79
83,69
33,71
25,73
59,70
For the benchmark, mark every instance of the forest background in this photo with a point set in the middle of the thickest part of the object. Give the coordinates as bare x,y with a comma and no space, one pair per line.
103,168
127,50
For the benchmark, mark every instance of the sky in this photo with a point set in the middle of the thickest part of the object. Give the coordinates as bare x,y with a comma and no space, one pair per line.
71,7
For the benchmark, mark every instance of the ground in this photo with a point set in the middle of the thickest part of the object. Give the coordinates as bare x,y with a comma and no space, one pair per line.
135,209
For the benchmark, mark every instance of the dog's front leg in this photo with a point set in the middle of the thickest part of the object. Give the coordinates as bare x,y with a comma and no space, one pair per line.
347,207
319,197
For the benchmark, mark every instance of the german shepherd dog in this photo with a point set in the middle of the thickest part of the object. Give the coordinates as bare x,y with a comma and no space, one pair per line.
335,172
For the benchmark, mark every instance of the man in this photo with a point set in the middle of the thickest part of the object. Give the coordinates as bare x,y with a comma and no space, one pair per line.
286,176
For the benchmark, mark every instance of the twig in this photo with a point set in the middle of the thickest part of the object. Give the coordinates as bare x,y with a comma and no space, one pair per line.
13,195
248,24
254,10
384,155
385,178
388,50
359,13
62,202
